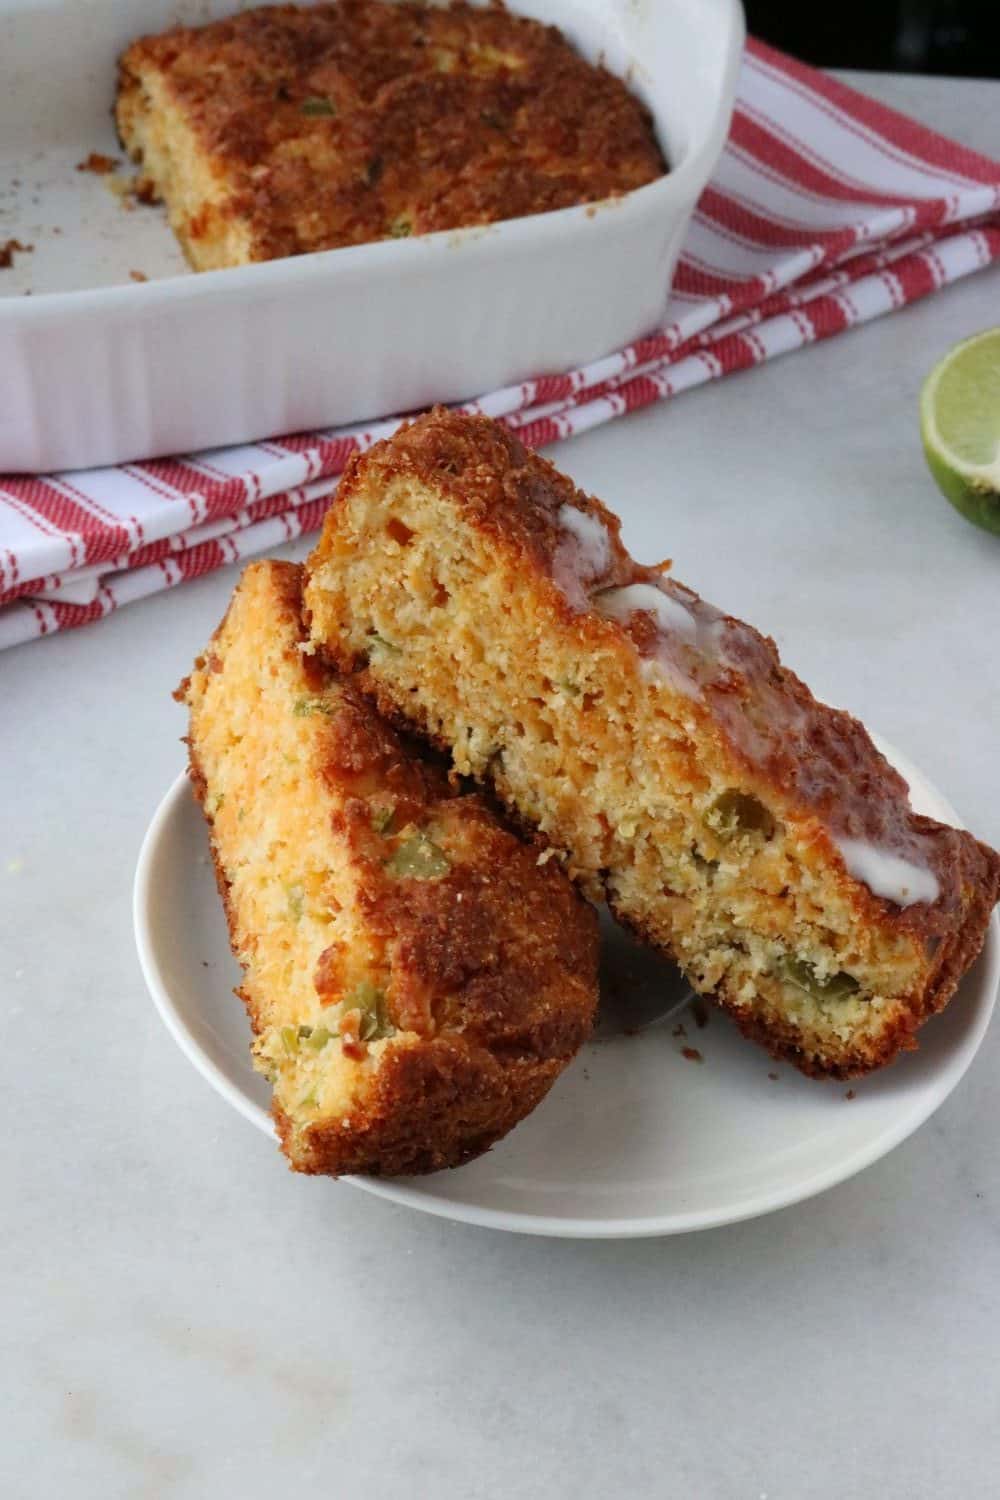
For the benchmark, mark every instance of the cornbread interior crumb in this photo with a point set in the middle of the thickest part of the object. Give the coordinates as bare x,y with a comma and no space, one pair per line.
414,981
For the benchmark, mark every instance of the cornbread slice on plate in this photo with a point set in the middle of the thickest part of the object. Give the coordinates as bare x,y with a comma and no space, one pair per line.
749,832
415,978
287,129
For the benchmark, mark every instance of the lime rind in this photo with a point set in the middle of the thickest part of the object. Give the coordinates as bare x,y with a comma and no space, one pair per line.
977,502
960,427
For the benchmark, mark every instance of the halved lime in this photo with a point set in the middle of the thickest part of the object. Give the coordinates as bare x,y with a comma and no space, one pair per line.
960,426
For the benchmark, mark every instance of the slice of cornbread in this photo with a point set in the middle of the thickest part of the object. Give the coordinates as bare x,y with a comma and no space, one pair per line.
287,128
415,979
753,834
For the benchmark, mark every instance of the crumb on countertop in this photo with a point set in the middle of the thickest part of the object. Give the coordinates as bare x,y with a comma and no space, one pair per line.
98,163
773,1077
123,188
8,251
850,1094
138,276
692,1054
679,1030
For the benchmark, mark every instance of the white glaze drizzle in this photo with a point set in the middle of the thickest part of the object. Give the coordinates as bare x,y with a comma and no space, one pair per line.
671,616
583,553
887,874
695,644
591,535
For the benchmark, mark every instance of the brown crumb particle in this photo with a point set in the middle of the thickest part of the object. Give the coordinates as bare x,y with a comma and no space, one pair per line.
123,187
8,250
98,163
773,1077
138,276
850,1094
692,1054
679,1031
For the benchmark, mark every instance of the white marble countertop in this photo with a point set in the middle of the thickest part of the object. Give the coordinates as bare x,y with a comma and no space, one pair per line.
183,1318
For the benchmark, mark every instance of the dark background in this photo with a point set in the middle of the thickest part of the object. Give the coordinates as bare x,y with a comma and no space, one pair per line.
960,37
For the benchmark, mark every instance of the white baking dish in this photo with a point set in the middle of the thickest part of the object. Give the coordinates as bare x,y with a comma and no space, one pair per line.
97,368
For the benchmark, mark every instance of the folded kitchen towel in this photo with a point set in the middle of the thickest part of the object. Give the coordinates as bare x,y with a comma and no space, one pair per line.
826,210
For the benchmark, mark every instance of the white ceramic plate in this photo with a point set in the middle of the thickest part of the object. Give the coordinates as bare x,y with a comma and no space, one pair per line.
635,1138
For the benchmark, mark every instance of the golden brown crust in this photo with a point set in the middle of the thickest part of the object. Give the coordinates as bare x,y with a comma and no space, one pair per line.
815,765
339,124
438,1104
489,970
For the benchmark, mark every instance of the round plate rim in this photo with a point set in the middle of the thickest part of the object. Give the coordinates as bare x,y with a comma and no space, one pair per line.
653,1226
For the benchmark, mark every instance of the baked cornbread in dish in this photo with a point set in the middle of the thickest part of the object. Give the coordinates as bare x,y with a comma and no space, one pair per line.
415,978
748,831
287,129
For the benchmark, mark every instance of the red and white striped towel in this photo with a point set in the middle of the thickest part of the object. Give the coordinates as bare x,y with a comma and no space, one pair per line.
826,209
